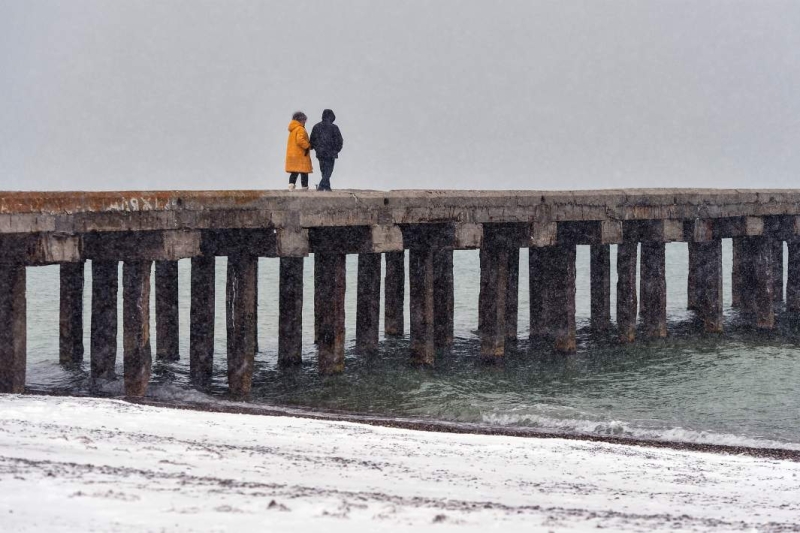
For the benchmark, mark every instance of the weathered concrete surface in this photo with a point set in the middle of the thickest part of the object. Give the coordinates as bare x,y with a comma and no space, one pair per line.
82,212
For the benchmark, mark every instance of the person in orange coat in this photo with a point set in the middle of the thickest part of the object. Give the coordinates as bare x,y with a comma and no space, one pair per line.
298,147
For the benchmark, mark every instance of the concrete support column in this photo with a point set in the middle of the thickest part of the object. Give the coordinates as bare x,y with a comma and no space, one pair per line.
443,299
537,285
552,287
137,358
319,280
561,316
757,285
290,310
103,342
777,270
691,283
330,285
368,302
600,279
201,329
70,339
736,272
708,257
492,300
240,307
167,332
512,295
255,310
13,328
653,288
394,293
421,293
626,291
793,277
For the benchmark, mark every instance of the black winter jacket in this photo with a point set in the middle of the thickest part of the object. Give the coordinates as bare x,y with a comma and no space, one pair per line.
326,139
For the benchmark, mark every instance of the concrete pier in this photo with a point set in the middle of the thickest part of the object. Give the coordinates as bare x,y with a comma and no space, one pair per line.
103,342
290,304
70,342
167,321
201,330
368,303
139,228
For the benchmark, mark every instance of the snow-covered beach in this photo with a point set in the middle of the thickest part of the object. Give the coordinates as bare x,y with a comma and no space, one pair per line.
85,464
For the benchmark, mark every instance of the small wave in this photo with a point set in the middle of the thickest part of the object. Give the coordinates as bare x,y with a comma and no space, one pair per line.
169,392
617,428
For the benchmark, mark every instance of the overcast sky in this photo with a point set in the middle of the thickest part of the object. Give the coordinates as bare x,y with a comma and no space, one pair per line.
167,94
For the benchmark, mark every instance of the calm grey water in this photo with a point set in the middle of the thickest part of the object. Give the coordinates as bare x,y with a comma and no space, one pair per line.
740,388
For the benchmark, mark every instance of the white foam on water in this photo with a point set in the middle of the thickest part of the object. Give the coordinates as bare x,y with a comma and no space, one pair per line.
618,428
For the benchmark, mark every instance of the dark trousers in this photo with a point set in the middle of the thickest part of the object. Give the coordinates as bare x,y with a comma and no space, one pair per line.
326,168
303,178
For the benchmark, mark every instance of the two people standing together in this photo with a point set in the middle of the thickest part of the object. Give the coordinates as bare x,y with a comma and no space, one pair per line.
326,140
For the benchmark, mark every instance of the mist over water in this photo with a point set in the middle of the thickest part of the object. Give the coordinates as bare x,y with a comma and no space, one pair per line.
738,388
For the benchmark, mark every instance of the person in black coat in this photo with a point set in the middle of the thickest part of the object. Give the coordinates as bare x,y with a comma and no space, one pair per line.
327,142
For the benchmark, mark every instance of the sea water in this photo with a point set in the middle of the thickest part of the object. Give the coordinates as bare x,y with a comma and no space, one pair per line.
739,388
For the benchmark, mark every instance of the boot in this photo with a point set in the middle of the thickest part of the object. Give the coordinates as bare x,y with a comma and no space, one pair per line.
303,188
291,186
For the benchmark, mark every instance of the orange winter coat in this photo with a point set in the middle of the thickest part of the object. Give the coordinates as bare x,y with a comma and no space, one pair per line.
298,158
